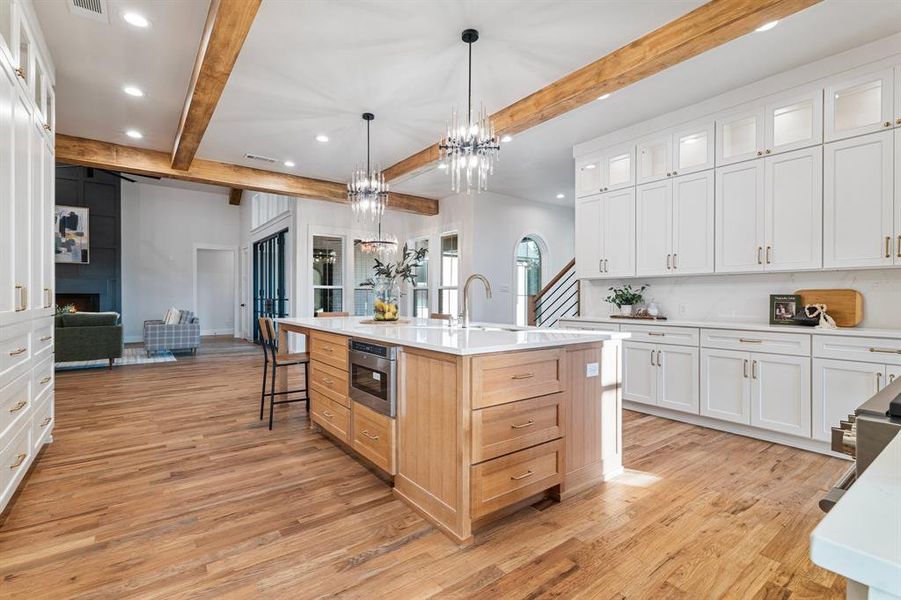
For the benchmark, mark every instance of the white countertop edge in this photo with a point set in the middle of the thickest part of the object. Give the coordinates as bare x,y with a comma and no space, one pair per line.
860,538
350,326
747,326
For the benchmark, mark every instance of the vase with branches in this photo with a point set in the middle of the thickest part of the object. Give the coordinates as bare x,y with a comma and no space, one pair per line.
386,280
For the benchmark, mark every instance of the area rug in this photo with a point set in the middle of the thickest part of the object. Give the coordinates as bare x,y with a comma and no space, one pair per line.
131,356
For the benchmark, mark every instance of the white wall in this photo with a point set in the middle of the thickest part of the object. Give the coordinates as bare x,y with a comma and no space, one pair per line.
216,291
746,298
161,223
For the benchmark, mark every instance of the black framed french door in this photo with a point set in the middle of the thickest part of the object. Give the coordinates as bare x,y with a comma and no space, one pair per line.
270,290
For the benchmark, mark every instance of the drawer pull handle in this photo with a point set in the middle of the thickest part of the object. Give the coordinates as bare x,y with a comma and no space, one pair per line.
523,376
18,351
523,476
888,246
528,423
656,334
749,341
22,404
759,254
369,435
19,460
46,422
754,369
46,380
46,338
327,414
745,368
327,349
878,381
885,350
327,381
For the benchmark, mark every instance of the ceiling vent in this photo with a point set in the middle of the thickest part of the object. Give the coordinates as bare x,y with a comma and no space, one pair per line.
264,159
89,9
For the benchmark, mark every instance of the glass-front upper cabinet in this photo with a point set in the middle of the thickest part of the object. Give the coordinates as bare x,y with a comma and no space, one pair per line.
794,121
619,169
693,148
49,108
23,49
655,158
859,105
6,28
589,178
37,89
740,136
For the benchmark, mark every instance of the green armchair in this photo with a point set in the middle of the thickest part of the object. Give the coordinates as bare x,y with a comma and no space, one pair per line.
88,336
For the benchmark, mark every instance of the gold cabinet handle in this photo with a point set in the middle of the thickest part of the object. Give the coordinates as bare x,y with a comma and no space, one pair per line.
749,341
652,358
46,422
46,380
891,378
878,381
523,376
899,247
20,72
887,124
759,257
528,423
18,351
369,435
22,404
48,297
898,121
523,476
669,258
754,369
46,126
19,460
760,153
745,367
888,246
23,297
327,381
885,350
769,252
659,358
675,266
656,334
46,338
327,414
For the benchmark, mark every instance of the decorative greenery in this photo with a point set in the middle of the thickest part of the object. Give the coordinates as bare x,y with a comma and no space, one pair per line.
64,310
626,296
405,269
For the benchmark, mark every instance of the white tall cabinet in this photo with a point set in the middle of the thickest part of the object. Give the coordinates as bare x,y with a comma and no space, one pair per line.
27,175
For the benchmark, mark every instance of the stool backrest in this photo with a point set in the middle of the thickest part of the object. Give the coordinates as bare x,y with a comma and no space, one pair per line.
332,314
267,336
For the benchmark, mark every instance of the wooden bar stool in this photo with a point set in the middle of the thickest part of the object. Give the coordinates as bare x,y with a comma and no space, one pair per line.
271,356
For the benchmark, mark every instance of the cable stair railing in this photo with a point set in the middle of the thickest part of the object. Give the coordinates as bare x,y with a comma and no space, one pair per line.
557,300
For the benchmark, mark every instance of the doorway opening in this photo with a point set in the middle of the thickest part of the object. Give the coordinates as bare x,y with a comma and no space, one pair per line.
527,275
215,294
270,290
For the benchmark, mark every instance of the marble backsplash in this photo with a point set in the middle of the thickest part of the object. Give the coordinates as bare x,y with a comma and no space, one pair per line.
746,297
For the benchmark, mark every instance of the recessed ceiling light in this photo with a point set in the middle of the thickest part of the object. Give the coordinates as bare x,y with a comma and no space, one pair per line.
289,163
561,196
138,20
603,96
322,138
767,26
133,91
507,138
134,134
590,166
442,165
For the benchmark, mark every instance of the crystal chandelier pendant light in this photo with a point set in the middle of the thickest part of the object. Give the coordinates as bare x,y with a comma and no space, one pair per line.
367,192
470,146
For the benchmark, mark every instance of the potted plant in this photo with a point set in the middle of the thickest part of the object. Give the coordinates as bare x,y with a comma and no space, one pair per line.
387,279
626,297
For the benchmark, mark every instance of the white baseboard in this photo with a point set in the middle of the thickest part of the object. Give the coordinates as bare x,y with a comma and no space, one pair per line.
736,428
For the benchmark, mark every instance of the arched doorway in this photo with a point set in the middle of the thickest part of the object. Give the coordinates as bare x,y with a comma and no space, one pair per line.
527,264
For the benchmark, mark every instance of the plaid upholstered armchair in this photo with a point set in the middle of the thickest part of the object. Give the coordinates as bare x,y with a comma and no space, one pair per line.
183,336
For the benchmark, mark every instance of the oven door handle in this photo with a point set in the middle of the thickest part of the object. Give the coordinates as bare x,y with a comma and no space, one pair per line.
376,363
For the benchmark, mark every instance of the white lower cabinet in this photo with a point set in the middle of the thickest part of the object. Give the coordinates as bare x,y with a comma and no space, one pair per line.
639,372
662,375
780,393
839,387
726,385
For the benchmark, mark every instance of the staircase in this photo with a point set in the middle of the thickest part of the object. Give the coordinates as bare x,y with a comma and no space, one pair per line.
557,300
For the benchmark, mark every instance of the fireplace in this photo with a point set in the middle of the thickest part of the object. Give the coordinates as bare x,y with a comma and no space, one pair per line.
81,302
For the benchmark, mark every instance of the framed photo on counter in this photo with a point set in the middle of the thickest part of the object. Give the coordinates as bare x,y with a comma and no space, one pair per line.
783,308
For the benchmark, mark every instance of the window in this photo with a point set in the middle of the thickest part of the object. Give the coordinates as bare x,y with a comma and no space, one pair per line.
364,297
328,274
421,284
448,290
528,276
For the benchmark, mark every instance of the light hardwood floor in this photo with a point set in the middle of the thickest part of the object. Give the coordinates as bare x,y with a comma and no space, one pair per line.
162,483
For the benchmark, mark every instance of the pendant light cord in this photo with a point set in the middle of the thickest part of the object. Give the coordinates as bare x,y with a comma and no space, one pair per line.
367,148
469,87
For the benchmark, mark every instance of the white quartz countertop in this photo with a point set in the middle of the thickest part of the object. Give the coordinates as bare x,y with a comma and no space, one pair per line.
745,325
860,538
438,335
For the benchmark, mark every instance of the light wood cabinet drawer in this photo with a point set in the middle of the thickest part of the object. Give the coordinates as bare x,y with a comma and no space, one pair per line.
886,351
329,381
328,348
15,403
14,459
657,334
506,428
331,416
508,377
42,336
796,344
374,438
42,422
509,479
15,351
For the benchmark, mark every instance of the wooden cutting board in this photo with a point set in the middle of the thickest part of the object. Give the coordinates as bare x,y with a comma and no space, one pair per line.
843,305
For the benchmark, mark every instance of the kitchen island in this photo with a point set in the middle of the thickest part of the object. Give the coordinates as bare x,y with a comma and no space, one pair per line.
487,419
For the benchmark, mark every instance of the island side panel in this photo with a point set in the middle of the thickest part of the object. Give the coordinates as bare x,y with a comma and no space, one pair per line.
592,416
433,428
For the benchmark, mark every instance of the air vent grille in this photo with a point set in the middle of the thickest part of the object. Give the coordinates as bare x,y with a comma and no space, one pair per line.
264,159
89,9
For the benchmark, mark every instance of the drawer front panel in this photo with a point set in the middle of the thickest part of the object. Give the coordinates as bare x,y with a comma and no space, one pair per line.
329,349
509,479
15,351
502,378
329,381
874,350
15,403
14,460
43,378
42,337
42,423
659,334
374,438
795,344
331,416
507,428
564,324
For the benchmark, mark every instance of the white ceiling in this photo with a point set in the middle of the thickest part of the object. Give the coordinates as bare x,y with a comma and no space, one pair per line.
313,67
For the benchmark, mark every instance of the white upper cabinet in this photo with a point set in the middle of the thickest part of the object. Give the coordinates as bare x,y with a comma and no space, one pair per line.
859,105
7,272
619,233
22,50
858,204
794,121
693,148
654,223
589,249
740,226
589,178
793,205
655,158
619,168
740,136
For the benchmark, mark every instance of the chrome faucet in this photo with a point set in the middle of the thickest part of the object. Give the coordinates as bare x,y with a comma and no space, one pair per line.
470,279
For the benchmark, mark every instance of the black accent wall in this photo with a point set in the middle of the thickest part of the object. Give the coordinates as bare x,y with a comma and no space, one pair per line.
101,193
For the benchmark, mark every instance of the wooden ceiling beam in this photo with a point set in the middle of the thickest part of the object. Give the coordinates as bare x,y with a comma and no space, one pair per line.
705,28
234,196
227,25
127,159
